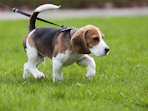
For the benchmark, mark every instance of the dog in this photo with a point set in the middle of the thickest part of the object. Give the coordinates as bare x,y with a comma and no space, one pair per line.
63,48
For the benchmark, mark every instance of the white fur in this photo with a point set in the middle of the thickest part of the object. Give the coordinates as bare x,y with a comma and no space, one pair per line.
91,66
27,43
99,50
62,60
45,7
33,61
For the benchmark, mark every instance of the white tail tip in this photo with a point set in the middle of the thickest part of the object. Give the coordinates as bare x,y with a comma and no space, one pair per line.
45,7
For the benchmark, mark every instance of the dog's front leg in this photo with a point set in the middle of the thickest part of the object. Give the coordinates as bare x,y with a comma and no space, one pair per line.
91,66
57,71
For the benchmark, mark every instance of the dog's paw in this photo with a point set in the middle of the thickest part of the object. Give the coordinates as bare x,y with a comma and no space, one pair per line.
25,75
90,74
89,77
57,79
26,72
40,75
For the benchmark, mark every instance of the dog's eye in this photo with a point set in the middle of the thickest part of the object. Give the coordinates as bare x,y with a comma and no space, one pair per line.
96,39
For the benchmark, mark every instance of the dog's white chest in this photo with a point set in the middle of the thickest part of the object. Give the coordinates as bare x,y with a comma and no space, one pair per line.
68,58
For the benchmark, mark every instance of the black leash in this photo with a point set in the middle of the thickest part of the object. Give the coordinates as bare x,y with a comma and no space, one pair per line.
23,13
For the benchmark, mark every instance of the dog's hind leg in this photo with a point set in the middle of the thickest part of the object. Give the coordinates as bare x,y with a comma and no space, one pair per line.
91,66
40,59
33,60
26,71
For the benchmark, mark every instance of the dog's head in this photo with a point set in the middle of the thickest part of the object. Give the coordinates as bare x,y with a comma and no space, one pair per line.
89,39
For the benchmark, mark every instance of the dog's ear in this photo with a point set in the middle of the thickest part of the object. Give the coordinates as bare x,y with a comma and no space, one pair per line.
78,42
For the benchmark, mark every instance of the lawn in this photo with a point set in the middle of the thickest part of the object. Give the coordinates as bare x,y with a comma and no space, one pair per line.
120,83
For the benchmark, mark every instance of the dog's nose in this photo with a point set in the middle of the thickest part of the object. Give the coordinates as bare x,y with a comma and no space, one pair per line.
106,50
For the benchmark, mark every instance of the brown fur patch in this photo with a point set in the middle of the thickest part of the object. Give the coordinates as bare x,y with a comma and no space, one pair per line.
91,34
83,39
62,43
78,42
31,42
24,42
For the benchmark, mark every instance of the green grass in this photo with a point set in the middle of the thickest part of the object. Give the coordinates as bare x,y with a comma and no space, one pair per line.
117,85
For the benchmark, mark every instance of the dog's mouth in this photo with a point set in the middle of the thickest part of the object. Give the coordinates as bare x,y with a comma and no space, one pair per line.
106,53
106,50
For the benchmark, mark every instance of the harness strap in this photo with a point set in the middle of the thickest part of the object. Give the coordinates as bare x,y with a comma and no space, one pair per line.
68,29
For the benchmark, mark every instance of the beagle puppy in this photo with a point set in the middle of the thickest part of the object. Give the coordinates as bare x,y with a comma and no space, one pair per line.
62,47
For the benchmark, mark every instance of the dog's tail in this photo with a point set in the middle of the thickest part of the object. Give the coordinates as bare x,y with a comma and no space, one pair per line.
37,11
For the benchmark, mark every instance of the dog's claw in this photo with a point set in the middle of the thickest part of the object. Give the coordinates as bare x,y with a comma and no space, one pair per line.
40,75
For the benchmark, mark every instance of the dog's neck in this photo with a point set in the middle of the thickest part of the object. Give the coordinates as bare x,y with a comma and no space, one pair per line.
72,32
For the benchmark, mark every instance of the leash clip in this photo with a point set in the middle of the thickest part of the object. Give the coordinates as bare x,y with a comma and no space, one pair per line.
14,10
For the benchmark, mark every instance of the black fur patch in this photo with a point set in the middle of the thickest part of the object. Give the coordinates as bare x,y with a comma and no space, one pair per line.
44,39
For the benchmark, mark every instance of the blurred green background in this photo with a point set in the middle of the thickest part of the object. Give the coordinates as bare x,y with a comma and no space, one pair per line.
74,4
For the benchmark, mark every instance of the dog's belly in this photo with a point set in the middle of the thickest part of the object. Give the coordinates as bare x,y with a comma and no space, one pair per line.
68,58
